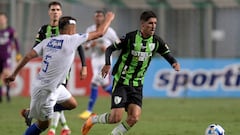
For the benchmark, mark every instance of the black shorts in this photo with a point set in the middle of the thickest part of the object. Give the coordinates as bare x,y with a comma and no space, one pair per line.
123,95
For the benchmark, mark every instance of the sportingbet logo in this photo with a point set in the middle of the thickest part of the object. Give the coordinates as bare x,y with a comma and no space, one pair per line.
227,79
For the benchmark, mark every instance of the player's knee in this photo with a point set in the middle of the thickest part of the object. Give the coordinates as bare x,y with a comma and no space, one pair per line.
73,105
132,119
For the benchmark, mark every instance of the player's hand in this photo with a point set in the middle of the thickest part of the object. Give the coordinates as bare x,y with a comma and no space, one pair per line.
83,73
9,79
110,15
105,70
176,66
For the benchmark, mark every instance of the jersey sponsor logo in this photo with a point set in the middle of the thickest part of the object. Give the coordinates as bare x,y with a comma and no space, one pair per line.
55,43
141,56
117,100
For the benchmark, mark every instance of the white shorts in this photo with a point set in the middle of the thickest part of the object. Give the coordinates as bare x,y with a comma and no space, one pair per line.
43,101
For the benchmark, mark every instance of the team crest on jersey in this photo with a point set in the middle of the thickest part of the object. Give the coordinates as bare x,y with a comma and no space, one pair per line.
117,99
55,43
152,46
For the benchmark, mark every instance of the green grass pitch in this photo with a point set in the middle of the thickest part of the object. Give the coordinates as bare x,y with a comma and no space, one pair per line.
164,116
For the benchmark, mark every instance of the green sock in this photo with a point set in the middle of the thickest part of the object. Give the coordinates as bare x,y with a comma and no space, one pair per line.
121,129
53,128
102,118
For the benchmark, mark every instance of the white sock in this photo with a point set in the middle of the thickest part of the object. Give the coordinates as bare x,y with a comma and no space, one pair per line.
102,118
54,121
121,129
63,120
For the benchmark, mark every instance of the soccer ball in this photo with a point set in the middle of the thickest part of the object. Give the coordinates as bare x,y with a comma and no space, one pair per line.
214,129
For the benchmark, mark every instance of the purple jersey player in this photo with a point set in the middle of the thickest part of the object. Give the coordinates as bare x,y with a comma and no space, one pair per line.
8,42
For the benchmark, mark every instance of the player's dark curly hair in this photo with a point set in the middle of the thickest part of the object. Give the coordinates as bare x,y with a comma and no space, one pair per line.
54,3
147,15
66,20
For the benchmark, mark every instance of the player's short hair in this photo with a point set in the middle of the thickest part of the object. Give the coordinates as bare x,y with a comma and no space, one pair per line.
3,13
100,12
66,20
54,3
147,15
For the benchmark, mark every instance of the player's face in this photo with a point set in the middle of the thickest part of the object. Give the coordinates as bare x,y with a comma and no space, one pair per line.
55,12
3,21
99,18
148,27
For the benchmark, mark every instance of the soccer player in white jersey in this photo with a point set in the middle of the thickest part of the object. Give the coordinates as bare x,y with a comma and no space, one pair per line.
58,54
97,48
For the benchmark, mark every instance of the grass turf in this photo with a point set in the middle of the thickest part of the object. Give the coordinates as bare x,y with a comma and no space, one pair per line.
159,116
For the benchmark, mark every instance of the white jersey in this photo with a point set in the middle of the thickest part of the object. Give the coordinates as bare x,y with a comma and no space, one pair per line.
106,40
98,55
58,54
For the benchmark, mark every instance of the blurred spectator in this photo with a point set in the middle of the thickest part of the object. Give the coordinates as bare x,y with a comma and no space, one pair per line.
8,42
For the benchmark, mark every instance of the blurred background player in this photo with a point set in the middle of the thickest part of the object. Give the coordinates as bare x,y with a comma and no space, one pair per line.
8,42
51,30
97,48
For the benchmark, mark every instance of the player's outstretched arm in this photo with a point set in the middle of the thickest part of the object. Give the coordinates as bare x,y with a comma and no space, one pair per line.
171,60
107,66
103,27
32,54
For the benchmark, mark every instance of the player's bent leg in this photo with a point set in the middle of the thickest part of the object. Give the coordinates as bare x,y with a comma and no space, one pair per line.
65,101
116,115
107,118
134,112
70,103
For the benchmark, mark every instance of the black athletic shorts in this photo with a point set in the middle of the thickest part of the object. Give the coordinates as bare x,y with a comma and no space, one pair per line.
123,95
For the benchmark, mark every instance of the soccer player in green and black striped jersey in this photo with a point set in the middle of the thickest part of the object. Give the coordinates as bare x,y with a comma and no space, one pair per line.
52,30
137,49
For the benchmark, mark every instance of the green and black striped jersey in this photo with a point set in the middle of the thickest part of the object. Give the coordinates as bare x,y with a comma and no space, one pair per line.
135,57
46,31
